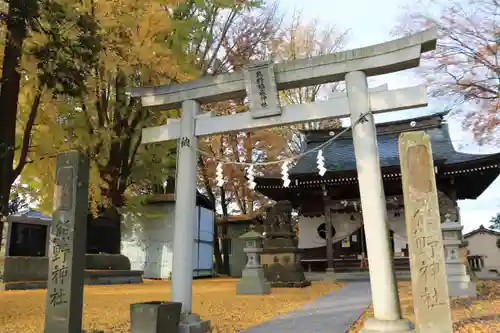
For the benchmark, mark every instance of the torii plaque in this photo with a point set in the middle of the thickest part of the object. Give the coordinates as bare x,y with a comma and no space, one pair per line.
352,66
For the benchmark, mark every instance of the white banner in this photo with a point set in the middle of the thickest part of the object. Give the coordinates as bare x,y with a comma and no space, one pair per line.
344,224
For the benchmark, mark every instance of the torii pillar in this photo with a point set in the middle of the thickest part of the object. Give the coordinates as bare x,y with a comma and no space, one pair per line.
261,83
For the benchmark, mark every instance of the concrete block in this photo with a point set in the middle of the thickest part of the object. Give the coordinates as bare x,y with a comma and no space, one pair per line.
192,323
155,317
253,286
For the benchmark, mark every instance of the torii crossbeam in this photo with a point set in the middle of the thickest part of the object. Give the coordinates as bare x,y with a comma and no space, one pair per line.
260,83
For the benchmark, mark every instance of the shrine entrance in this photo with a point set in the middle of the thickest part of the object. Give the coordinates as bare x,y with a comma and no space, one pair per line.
352,246
260,82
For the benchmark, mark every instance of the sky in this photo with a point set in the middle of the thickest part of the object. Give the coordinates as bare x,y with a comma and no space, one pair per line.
370,22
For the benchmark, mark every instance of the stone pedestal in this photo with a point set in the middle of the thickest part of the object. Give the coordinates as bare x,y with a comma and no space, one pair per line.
459,282
280,260
192,323
253,280
155,317
330,272
373,325
279,256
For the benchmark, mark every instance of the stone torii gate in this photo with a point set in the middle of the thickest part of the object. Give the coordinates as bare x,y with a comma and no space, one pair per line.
260,83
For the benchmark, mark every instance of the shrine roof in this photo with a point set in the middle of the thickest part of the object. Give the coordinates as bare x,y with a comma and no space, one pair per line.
482,230
339,154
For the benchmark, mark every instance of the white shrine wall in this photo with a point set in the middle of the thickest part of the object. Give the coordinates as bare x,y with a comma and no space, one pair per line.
344,226
147,241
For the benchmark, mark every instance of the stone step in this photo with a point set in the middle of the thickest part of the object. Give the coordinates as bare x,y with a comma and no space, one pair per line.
353,265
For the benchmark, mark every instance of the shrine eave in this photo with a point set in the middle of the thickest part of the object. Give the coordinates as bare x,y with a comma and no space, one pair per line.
483,171
482,230
339,154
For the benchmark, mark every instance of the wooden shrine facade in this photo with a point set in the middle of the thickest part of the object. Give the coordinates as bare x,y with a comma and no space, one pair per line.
459,176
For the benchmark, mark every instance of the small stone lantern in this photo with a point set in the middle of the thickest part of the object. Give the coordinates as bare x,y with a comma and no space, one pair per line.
459,282
253,280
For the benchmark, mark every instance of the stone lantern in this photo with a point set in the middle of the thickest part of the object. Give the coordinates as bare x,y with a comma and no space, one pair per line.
253,280
459,282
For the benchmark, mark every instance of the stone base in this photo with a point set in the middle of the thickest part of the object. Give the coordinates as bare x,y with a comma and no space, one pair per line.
459,282
155,317
291,284
462,289
28,285
96,277
252,286
192,323
373,325
282,270
330,275
90,278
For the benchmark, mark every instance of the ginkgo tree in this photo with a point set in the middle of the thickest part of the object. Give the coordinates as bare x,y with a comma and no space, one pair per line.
141,44
45,48
102,120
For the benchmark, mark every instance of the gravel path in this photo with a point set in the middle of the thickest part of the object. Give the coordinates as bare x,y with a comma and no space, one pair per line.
333,313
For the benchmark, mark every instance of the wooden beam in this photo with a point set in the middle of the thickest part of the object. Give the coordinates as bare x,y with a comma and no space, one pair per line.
389,57
380,101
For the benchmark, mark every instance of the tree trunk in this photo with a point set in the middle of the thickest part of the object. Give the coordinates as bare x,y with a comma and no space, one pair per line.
219,265
9,97
111,215
225,239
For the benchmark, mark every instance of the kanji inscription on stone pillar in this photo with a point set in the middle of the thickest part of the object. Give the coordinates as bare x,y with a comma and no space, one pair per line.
262,92
64,305
423,224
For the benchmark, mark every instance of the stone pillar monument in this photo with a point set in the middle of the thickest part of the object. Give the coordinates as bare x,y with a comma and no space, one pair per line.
459,282
253,280
64,300
431,302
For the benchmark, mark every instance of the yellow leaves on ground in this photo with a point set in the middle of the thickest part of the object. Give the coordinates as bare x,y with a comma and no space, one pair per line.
107,307
469,316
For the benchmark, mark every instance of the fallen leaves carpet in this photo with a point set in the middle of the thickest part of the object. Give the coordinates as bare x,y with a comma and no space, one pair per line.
107,308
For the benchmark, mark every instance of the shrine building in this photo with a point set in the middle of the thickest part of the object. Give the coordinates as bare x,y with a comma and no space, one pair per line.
335,196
